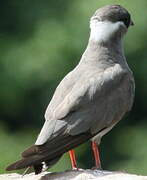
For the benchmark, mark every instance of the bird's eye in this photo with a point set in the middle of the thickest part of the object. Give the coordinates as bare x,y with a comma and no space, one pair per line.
126,21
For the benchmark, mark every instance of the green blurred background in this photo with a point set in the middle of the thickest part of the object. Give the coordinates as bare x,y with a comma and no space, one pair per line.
40,42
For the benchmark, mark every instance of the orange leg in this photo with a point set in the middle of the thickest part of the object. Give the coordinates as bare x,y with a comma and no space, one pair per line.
73,159
96,155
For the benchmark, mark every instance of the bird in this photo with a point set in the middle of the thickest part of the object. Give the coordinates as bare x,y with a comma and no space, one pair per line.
91,99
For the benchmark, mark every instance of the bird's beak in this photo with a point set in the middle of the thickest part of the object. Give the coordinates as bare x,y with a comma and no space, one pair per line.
131,23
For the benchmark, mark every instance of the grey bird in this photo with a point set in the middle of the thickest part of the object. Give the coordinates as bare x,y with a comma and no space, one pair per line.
92,98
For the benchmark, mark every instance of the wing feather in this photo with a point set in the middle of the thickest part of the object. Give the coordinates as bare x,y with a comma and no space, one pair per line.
73,112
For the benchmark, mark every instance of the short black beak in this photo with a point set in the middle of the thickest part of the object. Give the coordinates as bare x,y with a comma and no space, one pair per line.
131,23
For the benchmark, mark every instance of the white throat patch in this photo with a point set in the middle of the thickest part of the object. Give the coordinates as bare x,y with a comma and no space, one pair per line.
102,31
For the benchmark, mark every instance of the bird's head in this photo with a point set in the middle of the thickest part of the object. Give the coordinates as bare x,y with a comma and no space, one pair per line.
110,22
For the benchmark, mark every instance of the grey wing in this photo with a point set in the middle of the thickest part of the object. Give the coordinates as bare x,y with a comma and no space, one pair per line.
86,102
55,113
50,121
73,114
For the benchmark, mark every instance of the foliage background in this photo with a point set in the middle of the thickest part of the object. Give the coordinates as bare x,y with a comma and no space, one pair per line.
40,42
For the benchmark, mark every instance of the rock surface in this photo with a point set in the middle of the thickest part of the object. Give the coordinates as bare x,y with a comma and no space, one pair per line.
75,175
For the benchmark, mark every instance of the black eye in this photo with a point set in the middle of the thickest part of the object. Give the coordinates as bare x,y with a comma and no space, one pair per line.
126,21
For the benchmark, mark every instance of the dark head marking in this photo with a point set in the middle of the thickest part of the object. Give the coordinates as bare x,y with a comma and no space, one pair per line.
113,13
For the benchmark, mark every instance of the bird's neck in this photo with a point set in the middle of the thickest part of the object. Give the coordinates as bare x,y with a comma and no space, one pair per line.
110,51
113,45
105,43
105,31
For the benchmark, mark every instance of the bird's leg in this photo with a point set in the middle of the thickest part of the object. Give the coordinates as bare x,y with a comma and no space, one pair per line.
73,159
96,155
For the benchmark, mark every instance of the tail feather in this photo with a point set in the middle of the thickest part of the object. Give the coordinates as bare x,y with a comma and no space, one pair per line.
23,163
38,168
50,152
33,150
37,165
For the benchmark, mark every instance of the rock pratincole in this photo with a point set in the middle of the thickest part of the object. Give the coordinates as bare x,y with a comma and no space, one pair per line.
91,99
